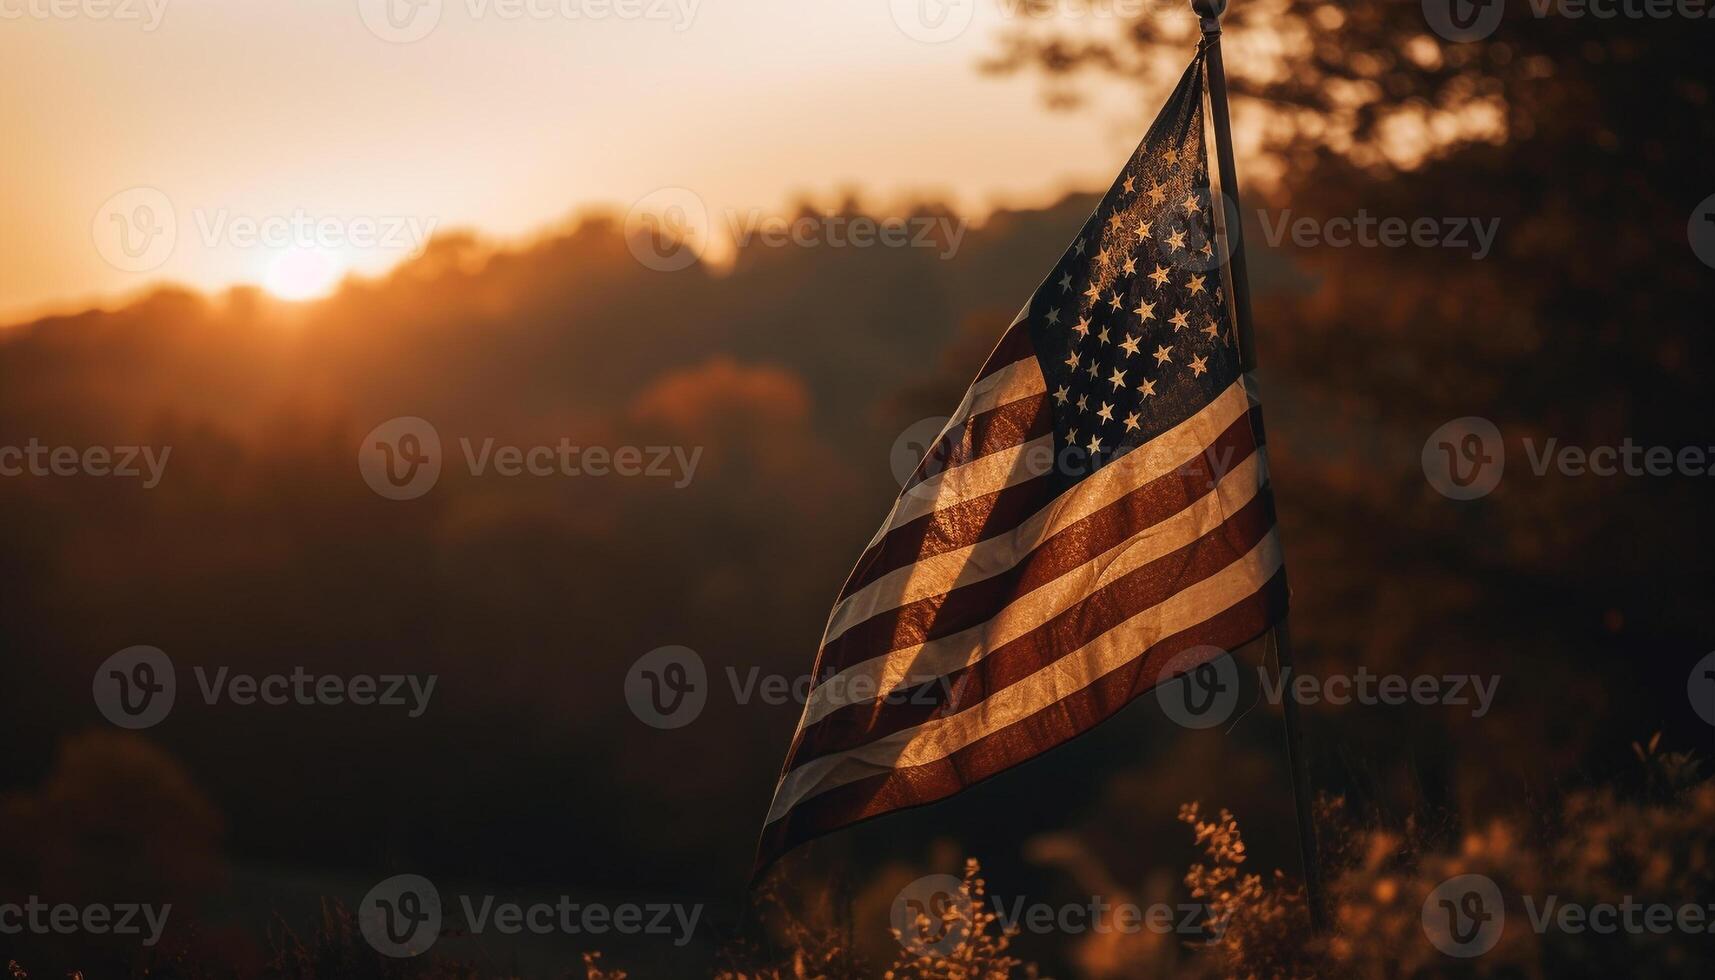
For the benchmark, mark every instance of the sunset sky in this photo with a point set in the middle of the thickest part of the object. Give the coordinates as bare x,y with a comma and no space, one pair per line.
241,118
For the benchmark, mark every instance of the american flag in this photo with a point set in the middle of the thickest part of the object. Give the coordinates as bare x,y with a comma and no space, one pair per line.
1094,520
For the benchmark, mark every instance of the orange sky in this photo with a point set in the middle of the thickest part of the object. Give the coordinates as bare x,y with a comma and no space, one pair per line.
214,142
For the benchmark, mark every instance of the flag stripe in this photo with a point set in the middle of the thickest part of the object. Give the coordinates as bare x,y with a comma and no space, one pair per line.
1014,345
984,434
888,791
936,739
978,478
882,784
1012,382
931,637
922,561
953,528
1139,515
1132,584
1010,373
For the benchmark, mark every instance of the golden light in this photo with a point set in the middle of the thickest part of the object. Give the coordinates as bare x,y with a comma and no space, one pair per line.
302,274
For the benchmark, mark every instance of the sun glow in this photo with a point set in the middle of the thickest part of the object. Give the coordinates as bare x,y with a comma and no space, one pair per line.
302,274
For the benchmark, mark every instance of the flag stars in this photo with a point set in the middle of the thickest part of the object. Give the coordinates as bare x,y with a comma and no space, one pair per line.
1149,235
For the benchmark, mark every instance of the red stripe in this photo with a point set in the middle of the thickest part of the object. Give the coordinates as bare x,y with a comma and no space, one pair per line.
966,606
951,528
985,433
1066,719
1061,636
1014,346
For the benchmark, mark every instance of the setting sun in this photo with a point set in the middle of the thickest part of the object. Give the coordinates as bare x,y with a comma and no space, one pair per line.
302,274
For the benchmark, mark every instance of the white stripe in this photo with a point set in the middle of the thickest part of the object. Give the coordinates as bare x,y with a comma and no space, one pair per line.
912,665
941,573
937,739
1019,380
974,479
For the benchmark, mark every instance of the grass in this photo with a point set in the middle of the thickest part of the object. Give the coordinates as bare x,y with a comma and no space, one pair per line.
1654,843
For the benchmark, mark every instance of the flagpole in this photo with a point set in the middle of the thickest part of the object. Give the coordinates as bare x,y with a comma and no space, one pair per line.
1210,11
